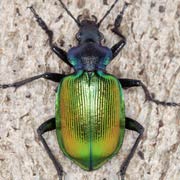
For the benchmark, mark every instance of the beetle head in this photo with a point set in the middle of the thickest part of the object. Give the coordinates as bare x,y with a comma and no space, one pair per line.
89,31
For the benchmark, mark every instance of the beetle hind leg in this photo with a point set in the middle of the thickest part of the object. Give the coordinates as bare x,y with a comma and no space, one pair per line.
50,125
134,126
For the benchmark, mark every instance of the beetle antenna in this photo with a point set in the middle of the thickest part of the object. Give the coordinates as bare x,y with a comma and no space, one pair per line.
112,6
69,13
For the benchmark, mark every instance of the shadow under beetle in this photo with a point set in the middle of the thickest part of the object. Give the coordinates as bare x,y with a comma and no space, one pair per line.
90,116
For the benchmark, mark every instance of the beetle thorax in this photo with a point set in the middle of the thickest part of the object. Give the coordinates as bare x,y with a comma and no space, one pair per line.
89,62
89,57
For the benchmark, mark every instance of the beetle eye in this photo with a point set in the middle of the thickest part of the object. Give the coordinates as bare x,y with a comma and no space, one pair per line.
78,36
101,36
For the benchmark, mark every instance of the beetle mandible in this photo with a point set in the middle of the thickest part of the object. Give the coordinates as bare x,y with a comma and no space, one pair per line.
90,119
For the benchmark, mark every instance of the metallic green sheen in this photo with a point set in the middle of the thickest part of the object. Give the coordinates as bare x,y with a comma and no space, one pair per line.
90,118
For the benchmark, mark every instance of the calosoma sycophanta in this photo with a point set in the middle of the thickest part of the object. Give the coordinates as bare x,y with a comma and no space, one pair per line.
90,118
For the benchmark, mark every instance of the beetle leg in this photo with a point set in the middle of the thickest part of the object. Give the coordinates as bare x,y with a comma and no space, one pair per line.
50,125
61,54
58,51
127,83
118,46
50,76
134,126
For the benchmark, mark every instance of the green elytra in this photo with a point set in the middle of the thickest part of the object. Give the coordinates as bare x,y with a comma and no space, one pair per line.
90,118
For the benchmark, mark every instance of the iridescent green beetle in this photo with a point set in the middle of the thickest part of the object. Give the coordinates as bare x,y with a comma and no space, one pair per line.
90,116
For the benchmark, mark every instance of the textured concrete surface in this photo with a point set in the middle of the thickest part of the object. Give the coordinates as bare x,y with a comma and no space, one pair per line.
152,54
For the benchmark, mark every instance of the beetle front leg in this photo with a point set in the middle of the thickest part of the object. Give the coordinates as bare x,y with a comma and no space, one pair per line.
127,83
58,51
50,125
118,46
134,126
49,76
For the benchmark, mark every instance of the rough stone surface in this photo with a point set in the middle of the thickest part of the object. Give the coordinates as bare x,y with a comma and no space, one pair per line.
152,54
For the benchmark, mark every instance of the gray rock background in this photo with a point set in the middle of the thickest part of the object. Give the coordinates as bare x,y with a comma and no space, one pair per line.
152,54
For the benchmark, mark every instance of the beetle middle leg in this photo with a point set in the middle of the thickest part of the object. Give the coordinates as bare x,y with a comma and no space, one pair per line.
128,83
50,125
134,126
58,51
49,76
118,46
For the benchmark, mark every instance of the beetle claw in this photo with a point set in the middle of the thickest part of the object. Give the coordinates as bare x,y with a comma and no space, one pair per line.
64,175
4,86
61,174
127,3
148,98
120,175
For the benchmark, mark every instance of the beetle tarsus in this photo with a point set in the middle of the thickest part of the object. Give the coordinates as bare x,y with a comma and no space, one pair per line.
4,86
55,77
128,83
123,170
163,103
42,24
148,97
117,23
122,177
60,174
119,18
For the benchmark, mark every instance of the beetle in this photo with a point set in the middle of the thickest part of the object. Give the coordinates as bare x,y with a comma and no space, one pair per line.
90,119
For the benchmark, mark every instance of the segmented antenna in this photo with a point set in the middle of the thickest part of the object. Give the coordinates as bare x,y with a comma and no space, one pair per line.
112,6
69,13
